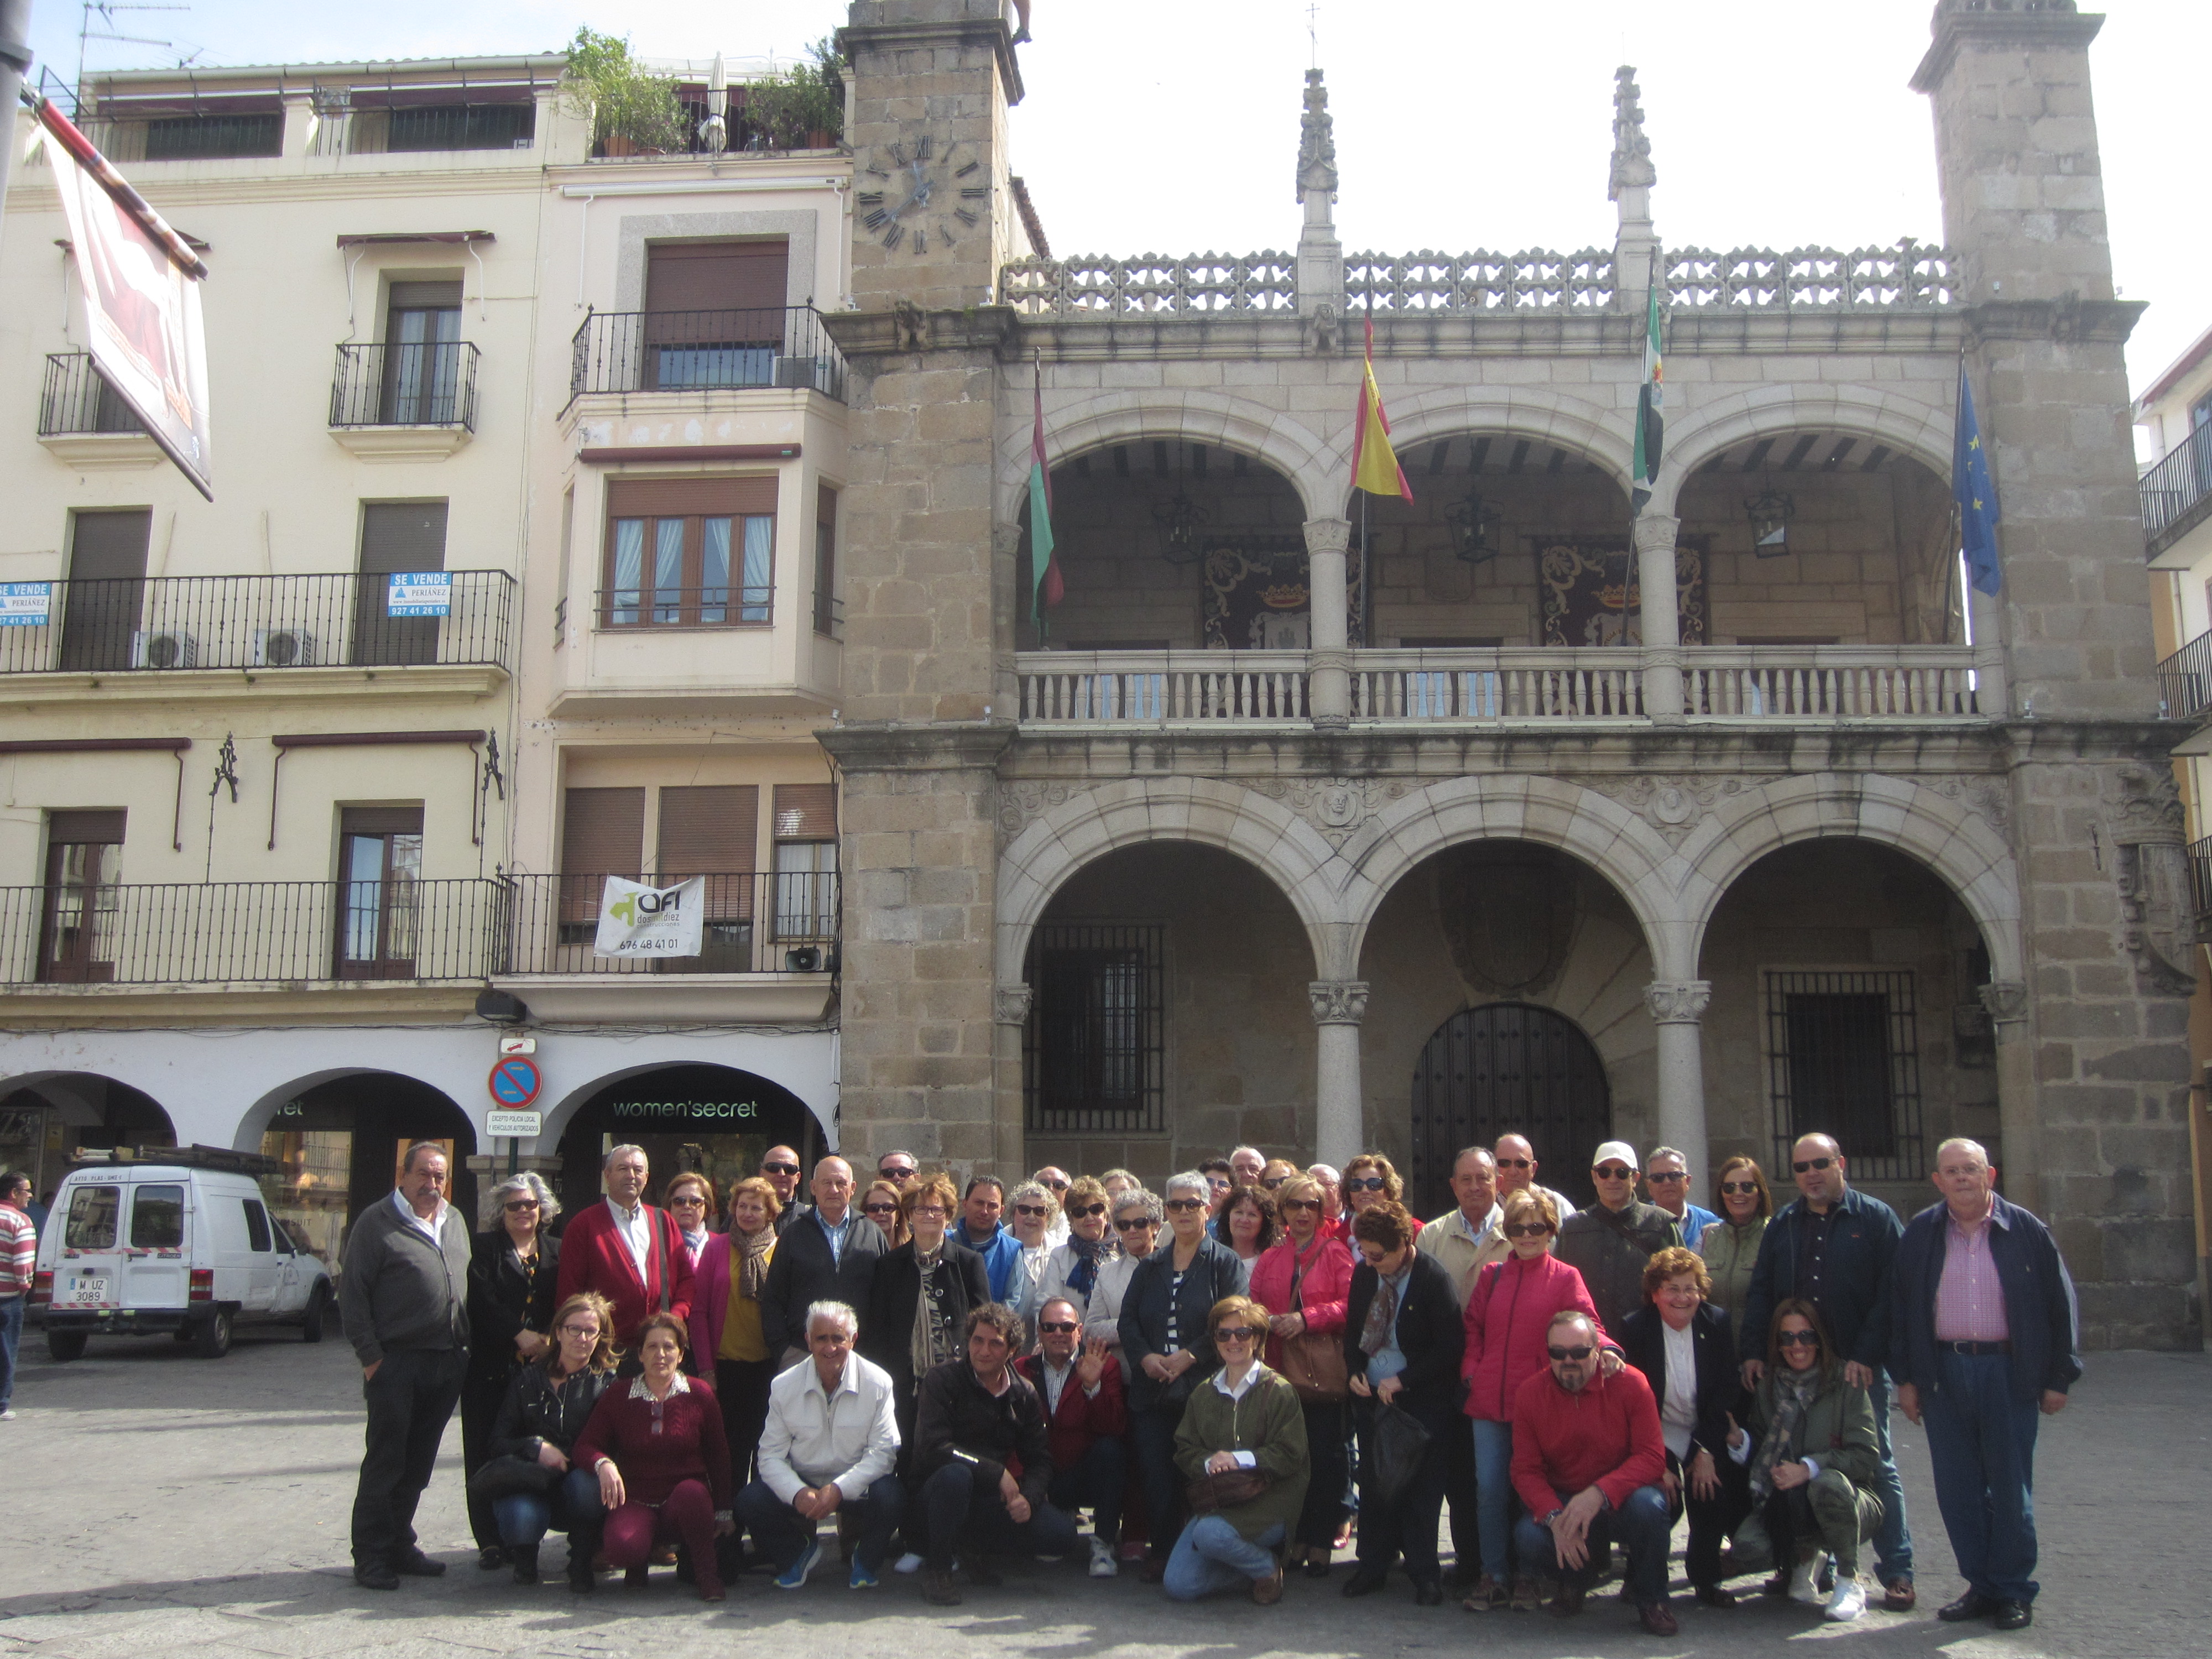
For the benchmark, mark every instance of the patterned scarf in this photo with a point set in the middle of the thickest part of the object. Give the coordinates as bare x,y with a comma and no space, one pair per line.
1381,1314
1793,1396
1088,1253
753,1252
930,1342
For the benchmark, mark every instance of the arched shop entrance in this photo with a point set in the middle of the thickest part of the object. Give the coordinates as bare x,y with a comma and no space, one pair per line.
339,1144
1507,1069
41,1125
715,1120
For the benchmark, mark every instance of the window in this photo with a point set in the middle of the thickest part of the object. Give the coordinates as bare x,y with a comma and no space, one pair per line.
1093,1053
157,1218
602,834
209,137
689,553
106,592
422,357
93,1214
708,830
828,617
715,314
1843,1061
462,126
83,907
379,880
805,861
257,1225
397,538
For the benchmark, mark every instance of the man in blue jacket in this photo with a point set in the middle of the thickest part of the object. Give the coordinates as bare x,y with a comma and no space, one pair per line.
979,1229
1984,1336
1835,1247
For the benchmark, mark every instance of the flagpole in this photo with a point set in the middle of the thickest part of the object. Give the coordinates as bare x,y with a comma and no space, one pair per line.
15,65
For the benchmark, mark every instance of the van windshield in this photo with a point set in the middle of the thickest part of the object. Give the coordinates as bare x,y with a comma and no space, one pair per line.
92,1217
157,1218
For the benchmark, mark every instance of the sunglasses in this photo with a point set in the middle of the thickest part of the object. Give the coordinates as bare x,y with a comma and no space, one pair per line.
1058,1327
1234,1333
1186,1204
1366,1184
1747,1188
1797,1339
1032,1210
592,1331
779,1169
1811,1163
1060,1186
1277,1181
1575,1354
1515,1164
1670,1177
1130,1223
1290,1204
517,1204
1614,1172
879,1209
685,1201
1527,1230
1085,1211
896,1175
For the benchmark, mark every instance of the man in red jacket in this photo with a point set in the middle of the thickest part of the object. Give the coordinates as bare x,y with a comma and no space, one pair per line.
628,1251
1086,1413
1588,1460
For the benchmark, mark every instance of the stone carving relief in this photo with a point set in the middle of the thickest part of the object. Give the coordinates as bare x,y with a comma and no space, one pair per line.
1673,807
1678,1001
1338,807
1987,798
1022,801
2150,866
1337,1001
2006,1000
2148,808
1009,1005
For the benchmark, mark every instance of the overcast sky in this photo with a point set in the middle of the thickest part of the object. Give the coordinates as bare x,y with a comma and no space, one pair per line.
1171,126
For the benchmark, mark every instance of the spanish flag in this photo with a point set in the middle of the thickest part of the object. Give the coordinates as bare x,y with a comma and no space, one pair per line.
1375,466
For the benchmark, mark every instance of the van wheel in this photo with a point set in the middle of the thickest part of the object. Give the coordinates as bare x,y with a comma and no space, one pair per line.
318,1313
212,1339
66,1346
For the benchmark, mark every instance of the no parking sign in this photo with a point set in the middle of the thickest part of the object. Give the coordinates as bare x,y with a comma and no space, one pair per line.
513,1082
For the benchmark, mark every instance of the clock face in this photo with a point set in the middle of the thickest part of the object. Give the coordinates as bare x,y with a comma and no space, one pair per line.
922,193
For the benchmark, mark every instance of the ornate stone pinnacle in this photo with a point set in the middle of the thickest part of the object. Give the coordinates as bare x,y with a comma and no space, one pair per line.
1632,151
1316,140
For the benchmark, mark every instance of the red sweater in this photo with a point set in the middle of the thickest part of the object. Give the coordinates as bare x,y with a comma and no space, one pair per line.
1607,1437
690,1445
1508,1315
1322,1292
594,1258
1081,1417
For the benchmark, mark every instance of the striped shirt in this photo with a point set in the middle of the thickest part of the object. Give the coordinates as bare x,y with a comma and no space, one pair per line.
18,1251
1970,1296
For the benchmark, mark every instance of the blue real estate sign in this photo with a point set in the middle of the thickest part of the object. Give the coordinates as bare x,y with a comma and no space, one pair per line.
26,605
418,593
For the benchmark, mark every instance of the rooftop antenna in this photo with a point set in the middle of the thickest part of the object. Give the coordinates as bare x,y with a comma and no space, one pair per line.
106,10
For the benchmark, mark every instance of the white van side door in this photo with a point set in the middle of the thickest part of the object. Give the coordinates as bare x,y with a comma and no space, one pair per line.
157,1256
88,1268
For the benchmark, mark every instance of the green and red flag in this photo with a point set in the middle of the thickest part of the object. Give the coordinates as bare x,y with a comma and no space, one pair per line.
1048,588
1651,419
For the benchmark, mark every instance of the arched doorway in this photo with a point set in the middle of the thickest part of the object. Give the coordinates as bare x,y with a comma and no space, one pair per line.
1507,1069
43,1124
338,1144
714,1120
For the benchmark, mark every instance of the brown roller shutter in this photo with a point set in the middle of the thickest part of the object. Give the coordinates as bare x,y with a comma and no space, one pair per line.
708,830
603,832
805,811
380,820
110,546
715,275
76,827
426,296
106,590
400,536
684,498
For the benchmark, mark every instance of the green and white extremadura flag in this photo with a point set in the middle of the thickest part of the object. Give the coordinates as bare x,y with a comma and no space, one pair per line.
1651,419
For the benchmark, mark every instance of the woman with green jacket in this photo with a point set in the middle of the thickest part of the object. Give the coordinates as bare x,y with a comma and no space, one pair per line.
1814,1459
1730,1245
1243,1421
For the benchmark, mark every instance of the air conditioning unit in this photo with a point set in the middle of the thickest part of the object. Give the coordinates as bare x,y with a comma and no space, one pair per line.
283,647
163,647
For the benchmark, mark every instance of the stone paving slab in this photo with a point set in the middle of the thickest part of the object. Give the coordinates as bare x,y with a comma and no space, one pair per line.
162,1505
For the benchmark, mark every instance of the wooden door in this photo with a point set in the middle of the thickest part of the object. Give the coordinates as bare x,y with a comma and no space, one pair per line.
1507,1069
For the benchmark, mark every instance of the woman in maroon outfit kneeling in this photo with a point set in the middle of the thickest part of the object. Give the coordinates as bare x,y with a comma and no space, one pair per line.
662,1460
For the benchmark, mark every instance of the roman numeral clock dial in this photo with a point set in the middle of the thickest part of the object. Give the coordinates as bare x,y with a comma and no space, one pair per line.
922,193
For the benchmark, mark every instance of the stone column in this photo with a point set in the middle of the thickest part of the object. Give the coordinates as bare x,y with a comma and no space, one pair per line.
1328,687
1659,618
1340,1117
2020,1157
300,123
1009,1018
1677,1005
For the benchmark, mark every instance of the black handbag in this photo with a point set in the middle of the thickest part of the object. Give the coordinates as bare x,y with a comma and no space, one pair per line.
1398,1450
513,1477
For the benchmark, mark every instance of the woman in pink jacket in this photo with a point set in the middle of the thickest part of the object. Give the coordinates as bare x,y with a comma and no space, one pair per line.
1303,1283
1507,1314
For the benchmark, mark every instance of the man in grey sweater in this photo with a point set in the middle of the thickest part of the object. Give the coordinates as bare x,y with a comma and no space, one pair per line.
404,1299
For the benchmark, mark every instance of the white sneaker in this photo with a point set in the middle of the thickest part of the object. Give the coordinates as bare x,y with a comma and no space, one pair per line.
1805,1582
7,1414
1848,1602
1102,1564
908,1562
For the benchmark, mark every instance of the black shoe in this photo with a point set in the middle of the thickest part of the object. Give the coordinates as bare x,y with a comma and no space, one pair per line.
1364,1582
1428,1593
939,1589
416,1564
582,1581
981,1573
526,1564
2014,1615
1972,1605
374,1575
1714,1595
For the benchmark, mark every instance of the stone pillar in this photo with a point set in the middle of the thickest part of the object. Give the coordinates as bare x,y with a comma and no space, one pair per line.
300,123
2020,1156
1659,615
1328,685
1320,256
1010,1016
1677,1005
1339,1115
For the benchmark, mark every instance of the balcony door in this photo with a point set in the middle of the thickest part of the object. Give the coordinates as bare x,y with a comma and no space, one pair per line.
708,830
806,816
106,592
396,538
602,834
713,313
379,891
422,354
77,939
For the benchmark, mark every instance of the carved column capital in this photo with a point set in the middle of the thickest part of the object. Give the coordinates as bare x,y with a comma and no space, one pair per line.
1009,1005
1327,535
1651,532
1678,1001
2006,1000
1337,1001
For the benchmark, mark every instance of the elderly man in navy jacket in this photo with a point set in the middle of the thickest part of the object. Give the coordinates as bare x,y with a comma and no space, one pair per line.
1835,1247
1984,1334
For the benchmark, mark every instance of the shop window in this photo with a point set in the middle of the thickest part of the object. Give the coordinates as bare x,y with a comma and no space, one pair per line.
689,553
82,901
1843,1061
1094,1059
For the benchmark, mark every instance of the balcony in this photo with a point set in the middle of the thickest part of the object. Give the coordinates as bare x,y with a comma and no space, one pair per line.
663,352
84,421
158,636
2200,883
2185,679
402,402
2177,496
1514,686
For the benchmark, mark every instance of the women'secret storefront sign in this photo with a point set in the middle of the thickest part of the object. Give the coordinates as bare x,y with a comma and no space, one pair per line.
687,1109
637,920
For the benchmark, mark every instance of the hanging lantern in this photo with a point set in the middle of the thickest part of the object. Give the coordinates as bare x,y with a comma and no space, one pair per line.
1474,528
1182,530
1770,512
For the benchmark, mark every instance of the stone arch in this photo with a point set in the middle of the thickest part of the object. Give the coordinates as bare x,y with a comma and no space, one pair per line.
1550,811
1262,832
258,1114
1597,432
1951,834
1920,430
560,1112
1121,416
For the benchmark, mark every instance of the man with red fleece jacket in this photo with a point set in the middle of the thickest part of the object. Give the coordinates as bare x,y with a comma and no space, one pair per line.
1588,1460
1086,1413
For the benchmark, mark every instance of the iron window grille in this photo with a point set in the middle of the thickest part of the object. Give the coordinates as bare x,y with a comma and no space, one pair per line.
1094,1051
1843,1061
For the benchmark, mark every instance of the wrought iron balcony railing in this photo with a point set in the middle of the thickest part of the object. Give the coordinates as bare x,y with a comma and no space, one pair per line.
390,384
702,350
751,922
75,400
2185,679
2174,490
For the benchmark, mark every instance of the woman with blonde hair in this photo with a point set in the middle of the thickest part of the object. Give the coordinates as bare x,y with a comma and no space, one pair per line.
726,1317
1072,1271
880,1204
1242,1443
1308,1278
1730,1245
514,1268
546,1407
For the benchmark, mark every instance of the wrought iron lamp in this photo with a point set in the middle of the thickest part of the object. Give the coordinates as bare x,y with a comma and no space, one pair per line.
1770,512
1474,528
1182,530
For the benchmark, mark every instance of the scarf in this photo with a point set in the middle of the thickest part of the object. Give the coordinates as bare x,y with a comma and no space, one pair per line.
751,1253
1088,1252
930,1342
1794,1392
1381,1314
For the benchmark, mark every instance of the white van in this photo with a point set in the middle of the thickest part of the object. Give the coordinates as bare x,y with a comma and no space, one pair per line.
178,1240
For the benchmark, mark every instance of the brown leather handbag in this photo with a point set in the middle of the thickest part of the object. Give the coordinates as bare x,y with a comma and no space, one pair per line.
1313,1361
1229,1490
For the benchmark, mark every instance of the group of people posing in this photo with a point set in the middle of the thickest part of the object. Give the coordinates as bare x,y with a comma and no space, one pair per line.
1222,1375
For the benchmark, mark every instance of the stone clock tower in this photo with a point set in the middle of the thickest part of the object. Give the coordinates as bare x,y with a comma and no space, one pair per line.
928,589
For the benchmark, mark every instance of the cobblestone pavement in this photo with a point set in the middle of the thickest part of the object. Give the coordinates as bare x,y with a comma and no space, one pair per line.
159,1503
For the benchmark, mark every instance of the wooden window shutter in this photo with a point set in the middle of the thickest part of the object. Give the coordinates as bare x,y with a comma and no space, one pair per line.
402,536
805,811
603,832
716,275
426,296
380,820
708,830
78,826
110,546
684,498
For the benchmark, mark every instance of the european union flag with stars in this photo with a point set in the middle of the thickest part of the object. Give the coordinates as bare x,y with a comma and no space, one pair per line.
1975,492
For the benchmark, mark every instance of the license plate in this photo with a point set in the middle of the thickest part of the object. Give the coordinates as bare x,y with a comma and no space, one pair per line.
88,1293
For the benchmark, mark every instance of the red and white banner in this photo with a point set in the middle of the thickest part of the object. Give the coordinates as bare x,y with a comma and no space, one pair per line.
142,298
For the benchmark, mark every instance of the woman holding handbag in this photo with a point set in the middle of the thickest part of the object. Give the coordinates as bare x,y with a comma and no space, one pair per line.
513,1270
1242,1448
1309,1276
529,1481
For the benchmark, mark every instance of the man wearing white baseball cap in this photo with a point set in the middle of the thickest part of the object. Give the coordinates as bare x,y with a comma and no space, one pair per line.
1610,1242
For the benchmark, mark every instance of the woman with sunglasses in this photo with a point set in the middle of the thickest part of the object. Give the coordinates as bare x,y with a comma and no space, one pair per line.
1308,1277
1243,1422
726,1317
1073,1268
880,1204
513,1270
1247,1223
1508,1313
920,1298
1031,1205
1369,1180
1814,1462
1275,1172
690,1200
546,1410
1730,1245
1167,1348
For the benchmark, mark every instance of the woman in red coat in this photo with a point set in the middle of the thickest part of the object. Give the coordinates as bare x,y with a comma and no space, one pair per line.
663,1462
1507,1313
1303,1283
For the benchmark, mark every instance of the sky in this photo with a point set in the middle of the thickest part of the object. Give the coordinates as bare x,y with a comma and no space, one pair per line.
1171,126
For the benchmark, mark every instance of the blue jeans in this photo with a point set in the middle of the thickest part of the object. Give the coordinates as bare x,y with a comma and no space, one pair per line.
783,1533
573,1506
1982,1442
1493,1496
11,1338
1641,1525
1212,1556
1893,1540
